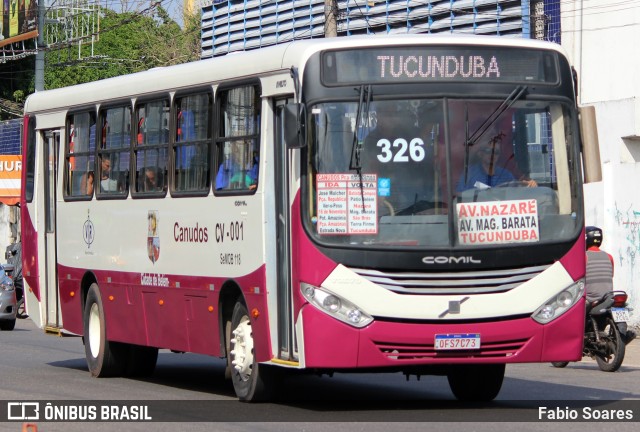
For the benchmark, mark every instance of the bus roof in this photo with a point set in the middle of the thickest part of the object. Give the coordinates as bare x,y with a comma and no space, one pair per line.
243,64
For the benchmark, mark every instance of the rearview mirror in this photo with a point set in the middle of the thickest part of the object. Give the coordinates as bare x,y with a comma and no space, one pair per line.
293,124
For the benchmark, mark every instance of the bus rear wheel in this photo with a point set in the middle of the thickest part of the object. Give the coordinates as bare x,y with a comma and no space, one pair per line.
141,361
478,382
104,358
251,380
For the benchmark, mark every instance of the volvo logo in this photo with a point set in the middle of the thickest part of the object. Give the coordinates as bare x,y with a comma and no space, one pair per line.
450,260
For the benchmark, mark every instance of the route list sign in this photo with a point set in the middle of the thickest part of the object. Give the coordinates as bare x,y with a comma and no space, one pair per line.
498,222
341,209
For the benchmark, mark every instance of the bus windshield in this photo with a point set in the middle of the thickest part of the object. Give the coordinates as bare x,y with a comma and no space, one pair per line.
442,172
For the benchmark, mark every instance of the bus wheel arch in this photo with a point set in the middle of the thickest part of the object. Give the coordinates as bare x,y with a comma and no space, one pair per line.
230,294
251,381
104,357
87,280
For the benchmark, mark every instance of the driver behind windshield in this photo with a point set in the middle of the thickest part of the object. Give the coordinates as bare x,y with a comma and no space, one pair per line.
485,169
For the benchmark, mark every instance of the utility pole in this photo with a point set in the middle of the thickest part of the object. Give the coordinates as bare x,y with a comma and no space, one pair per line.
330,25
40,47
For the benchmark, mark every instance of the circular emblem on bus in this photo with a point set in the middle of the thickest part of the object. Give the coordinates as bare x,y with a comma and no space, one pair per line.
88,231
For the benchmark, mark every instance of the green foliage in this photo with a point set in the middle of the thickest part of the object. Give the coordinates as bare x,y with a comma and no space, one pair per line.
19,96
128,42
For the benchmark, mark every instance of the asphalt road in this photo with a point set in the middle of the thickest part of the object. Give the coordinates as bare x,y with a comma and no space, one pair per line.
190,391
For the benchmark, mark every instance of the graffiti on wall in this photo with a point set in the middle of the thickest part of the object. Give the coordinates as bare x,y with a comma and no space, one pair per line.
628,222
627,236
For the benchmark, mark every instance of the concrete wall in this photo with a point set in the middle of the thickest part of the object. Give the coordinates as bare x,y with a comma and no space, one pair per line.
601,37
7,217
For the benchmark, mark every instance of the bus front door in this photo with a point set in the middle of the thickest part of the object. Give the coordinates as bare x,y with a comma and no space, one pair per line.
287,347
52,319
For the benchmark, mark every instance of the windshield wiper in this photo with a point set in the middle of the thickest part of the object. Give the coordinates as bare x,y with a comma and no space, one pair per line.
359,134
487,123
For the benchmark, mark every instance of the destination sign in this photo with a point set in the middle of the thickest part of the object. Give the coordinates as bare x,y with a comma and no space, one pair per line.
439,64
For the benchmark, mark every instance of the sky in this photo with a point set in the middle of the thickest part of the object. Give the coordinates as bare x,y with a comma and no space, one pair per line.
174,7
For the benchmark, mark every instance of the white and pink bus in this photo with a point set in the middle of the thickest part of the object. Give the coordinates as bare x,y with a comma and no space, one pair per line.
400,203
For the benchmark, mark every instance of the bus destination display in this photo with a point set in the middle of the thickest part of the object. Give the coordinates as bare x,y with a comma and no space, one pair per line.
438,64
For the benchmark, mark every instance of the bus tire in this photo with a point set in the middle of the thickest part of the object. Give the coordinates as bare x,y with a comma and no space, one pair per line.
251,380
141,361
104,358
559,365
476,382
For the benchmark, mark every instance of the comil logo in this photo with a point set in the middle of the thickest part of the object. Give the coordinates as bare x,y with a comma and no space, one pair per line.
23,411
450,260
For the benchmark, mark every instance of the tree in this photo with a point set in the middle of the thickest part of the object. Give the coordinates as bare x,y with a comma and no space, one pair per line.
16,81
128,42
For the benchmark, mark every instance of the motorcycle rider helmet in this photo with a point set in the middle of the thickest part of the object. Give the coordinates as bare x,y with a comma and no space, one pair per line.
593,236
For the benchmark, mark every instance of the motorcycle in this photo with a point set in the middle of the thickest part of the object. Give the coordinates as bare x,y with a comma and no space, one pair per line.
606,333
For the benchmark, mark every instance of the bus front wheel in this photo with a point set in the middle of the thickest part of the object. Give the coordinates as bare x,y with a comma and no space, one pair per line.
251,380
104,358
477,382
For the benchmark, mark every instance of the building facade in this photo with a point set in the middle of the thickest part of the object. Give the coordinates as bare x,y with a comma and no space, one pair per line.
229,25
10,172
601,37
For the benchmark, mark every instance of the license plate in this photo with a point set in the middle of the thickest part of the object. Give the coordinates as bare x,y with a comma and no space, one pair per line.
457,341
620,314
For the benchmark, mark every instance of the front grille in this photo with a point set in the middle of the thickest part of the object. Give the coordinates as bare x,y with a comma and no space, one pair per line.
463,282
400,352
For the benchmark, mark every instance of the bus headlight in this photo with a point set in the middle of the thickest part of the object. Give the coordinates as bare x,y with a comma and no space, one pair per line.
559,303
335,306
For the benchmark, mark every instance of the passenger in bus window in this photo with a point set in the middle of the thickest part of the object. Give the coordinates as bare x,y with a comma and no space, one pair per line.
106,183
152,181
232,175
485,170
86,183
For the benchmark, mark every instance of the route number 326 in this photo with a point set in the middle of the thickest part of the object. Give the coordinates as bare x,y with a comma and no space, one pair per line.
404,151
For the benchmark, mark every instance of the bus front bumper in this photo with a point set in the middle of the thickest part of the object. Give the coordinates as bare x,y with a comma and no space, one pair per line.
331,344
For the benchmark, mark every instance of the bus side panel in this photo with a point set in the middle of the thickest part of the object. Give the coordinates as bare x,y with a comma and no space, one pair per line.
70,298
27,228
575,261
560,340
29,250
328,343
182,319
308,264
254,289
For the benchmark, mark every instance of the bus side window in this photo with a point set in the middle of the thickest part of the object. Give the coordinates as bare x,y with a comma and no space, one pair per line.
80,154
238,143
151,150
114,153
192,146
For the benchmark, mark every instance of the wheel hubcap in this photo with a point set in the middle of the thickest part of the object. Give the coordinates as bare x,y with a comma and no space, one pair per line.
242,349
94,330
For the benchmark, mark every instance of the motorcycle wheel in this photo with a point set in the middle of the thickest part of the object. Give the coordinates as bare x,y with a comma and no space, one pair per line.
21,310
615,350
559,364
